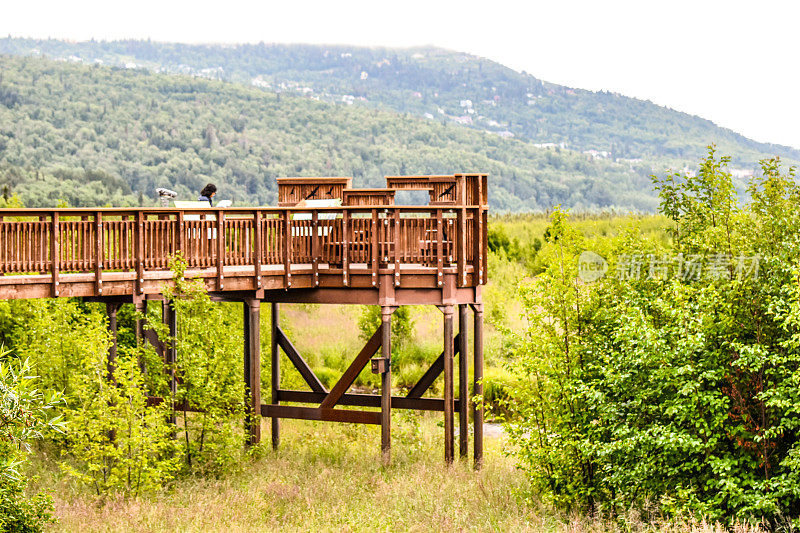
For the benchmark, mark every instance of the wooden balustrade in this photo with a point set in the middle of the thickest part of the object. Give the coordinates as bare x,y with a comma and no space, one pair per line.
64,241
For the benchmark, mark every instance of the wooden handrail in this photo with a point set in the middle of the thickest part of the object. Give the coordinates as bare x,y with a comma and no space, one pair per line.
100,241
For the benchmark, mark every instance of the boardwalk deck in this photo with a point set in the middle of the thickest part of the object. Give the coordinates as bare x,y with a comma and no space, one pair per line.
361,253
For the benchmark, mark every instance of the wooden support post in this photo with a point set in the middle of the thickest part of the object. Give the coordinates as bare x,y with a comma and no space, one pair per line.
170,318
252,369
111,363
463,394
386,384
477,388
111,313
275,369
141,307
448,383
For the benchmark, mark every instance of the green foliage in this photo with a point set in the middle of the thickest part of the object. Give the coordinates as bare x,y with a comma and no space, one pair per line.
25,414
117,442
680,391
402,324
209,371
59,336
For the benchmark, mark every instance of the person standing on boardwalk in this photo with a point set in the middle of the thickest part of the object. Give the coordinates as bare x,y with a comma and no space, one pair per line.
207,194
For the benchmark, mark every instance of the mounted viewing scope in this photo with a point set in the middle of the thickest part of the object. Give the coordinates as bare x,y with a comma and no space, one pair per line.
165,195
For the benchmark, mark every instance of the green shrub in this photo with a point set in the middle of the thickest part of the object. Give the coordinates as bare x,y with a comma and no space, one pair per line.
681,392
25,414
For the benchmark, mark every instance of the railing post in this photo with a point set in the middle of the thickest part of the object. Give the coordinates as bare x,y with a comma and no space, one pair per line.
257,248
461,247
220,250
375,237
139,251
397,243
439,248
476,246
346,247
98,255
287,249
181,235
55,251
315,247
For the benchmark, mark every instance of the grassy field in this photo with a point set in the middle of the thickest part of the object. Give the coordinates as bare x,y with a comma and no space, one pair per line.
326,477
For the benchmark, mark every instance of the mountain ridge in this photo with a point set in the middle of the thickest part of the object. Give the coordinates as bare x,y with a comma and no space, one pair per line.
424,79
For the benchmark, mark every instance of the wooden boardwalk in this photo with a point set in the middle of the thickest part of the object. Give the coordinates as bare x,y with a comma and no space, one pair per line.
366,251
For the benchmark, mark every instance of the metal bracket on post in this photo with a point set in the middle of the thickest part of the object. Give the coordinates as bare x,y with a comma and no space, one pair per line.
380,365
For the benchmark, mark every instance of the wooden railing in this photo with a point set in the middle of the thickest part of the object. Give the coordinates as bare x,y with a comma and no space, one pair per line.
42,241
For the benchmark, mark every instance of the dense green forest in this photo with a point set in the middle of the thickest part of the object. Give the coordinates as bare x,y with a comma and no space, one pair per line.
99,135
448,86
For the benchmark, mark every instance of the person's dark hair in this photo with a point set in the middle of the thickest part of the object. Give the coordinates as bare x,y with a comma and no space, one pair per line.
208,190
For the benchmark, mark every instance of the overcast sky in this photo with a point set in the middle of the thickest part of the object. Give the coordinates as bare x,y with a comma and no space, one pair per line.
733,62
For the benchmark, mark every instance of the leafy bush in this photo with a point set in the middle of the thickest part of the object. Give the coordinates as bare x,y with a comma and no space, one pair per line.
670,389
25,413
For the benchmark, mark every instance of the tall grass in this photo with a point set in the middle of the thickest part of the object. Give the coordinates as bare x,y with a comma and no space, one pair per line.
327,477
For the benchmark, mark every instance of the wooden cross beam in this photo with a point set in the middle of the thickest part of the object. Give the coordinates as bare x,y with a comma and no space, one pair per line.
299,363
433,372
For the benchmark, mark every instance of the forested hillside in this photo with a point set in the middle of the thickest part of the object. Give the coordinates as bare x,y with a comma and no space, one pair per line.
98,135
445,86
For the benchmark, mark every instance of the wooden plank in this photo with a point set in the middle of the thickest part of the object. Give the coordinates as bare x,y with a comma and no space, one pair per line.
431,374
299,363
352,372
325,415
364,400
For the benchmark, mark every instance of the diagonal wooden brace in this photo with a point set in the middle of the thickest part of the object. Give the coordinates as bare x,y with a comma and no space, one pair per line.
300,363
352,372
433,372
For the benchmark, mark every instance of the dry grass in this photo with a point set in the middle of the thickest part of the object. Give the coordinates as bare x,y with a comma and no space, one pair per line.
326,477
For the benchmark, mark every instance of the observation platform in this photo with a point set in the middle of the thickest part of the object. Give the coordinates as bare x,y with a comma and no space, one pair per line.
325,243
